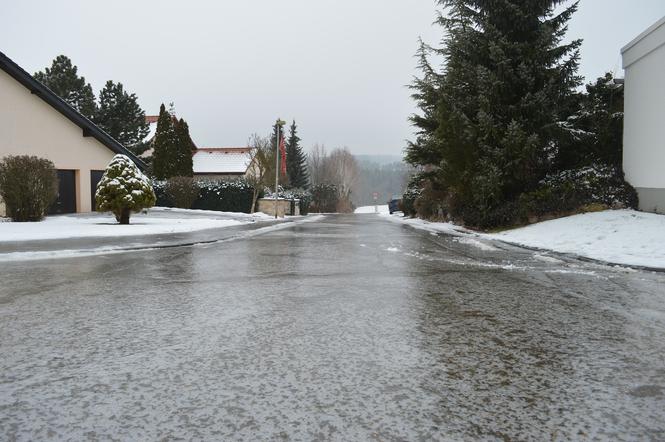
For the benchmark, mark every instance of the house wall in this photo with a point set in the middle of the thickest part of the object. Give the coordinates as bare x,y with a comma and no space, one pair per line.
644,122
29,126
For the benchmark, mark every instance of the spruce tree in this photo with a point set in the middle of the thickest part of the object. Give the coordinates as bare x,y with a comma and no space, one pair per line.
120,115
183,165
296,160
163,156
491,120
62,78
279,125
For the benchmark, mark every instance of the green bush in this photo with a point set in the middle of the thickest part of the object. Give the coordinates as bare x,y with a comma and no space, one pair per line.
572,190
28,186
413,191
183,191
123,189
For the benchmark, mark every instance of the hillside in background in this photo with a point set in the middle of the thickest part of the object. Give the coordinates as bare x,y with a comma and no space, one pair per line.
385,174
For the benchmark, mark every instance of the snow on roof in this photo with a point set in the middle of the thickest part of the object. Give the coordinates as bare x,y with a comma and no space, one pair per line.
232,160
152,130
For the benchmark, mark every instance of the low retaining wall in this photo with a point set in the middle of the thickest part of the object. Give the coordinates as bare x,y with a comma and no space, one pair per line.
284,207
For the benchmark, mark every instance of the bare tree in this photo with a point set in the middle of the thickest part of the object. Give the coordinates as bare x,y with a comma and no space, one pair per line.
262,165
315,164
341,169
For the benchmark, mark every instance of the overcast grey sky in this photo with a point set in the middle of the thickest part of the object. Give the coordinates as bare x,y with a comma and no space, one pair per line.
339,67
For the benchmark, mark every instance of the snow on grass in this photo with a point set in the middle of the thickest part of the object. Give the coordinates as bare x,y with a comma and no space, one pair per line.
624,237
237,215
617,236
57,227
371,209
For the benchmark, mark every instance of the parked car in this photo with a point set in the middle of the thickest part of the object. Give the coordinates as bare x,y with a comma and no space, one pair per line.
395,204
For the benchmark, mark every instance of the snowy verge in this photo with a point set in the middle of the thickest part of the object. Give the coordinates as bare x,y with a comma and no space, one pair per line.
257,216
58,227
132,248
624,237
371,209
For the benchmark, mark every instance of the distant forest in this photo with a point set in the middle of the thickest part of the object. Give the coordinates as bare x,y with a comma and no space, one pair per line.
385,174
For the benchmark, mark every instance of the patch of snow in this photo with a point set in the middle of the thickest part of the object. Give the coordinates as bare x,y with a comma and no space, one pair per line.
624,237
617,236
237,215
58,227
373,209
475,243
392,249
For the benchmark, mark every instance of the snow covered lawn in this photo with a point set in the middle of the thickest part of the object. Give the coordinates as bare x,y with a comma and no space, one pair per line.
616,236
56,227
370,209
623,237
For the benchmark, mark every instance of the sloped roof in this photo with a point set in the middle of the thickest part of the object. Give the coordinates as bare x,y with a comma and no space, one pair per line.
222,160
89,128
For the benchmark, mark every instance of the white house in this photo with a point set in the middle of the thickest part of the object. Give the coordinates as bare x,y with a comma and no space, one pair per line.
35,121
644,122
214,163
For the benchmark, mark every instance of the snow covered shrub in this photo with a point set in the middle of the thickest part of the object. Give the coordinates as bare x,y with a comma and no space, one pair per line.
573,190
28,186
413,191
183,191
225,196
123,189
324,198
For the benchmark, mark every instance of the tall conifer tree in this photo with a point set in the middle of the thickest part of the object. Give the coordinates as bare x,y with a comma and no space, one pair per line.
185,148
62,78
296,160
120,115
163,156
491,118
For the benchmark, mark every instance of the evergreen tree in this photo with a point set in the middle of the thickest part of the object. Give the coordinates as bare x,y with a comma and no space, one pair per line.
164,146
120,115
278,126
62,78
123,189
296,160
183,165
595,127
491,120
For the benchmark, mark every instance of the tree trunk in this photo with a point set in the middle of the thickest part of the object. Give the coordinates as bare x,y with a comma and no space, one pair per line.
255,194
124,216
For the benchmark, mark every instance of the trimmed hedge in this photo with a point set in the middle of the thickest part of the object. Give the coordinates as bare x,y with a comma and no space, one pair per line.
222,196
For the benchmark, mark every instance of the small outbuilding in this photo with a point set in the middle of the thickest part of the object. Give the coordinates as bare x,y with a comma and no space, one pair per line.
35,121
644,119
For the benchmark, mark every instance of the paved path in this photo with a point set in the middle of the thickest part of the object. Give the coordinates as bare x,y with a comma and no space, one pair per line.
349,328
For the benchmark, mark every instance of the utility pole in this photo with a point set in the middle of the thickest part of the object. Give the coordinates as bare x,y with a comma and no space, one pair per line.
277,141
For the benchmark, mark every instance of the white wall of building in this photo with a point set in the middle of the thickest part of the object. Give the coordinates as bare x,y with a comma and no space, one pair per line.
30,126
644,123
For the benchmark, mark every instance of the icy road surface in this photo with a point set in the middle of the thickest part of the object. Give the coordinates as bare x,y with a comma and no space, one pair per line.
348,328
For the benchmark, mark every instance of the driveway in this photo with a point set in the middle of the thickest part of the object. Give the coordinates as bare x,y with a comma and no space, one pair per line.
347,328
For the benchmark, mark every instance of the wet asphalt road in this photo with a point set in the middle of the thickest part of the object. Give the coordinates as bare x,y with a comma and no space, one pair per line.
348,328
